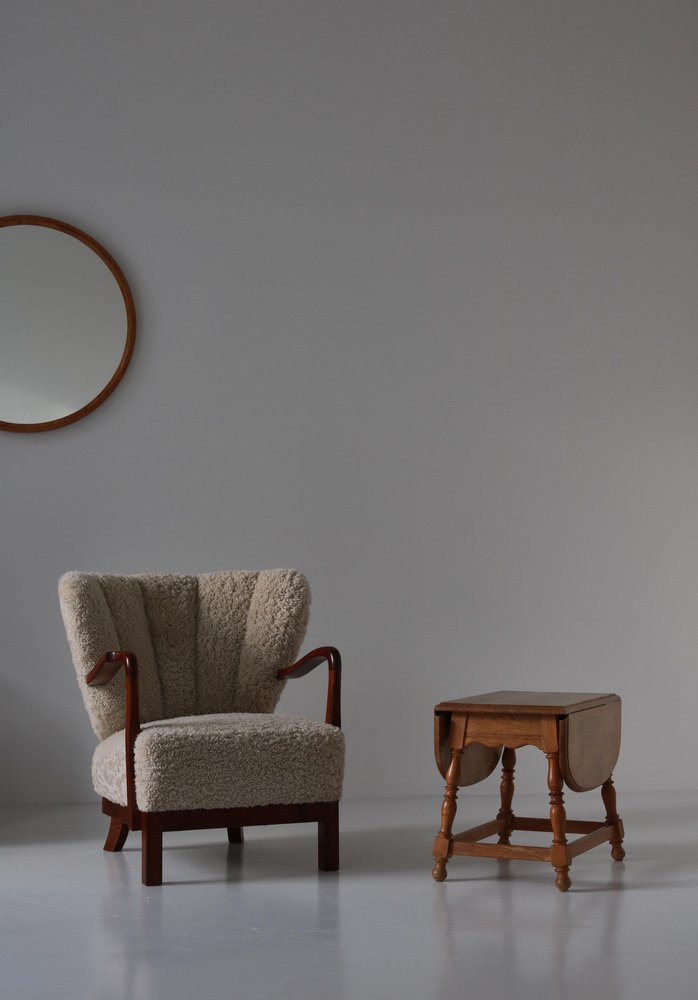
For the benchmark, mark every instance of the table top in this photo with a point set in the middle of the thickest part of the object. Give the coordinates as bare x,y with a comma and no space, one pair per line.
527,702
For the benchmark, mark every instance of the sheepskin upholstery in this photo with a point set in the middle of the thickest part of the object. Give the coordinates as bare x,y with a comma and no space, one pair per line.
205,644
225,761
208,650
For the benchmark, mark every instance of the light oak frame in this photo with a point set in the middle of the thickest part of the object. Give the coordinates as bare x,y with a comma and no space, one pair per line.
580,737
153,825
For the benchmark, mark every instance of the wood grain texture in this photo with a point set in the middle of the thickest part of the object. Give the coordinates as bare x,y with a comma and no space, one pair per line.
443,843
543,825
508,729
153,825
330,655
589,746
506,794
116,837
608,794
601,835
508,852
525,702
477,761
559,856
481,832
541,719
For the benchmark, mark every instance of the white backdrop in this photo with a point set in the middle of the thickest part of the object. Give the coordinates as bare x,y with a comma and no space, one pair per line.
417,315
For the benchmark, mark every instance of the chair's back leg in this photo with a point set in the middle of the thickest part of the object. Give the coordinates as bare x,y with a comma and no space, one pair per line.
151,849
116,838
328,839
236,835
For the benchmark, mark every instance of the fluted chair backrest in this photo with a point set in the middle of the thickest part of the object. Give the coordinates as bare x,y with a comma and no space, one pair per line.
205,644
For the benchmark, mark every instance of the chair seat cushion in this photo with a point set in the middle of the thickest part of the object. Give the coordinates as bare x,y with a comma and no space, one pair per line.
223,762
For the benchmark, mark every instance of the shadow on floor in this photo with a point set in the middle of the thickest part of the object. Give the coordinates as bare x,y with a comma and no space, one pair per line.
404,851
285,853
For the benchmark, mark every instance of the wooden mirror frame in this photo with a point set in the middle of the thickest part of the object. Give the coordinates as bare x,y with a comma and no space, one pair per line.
106,257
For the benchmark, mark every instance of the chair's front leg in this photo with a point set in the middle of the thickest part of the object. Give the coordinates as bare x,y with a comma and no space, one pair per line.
151,849
236,835
328,839
116,838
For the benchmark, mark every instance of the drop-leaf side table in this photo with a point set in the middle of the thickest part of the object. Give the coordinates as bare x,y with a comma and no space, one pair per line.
580,737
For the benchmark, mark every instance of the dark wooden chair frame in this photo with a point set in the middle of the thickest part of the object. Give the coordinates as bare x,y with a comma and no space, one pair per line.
152,825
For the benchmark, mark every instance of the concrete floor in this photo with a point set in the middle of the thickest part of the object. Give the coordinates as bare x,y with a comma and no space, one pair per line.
259,922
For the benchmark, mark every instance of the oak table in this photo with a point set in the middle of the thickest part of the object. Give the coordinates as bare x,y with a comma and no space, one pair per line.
580,737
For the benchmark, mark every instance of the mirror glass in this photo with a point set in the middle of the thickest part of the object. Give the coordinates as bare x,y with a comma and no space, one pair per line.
67,323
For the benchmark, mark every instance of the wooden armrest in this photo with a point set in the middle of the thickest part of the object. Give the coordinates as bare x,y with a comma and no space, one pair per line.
334,662
104,670
108,665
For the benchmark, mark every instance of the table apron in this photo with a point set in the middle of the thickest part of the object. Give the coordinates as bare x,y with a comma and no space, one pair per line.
512,730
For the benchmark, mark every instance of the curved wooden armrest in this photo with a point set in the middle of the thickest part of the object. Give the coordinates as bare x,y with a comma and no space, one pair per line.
107,666
104,670
334,662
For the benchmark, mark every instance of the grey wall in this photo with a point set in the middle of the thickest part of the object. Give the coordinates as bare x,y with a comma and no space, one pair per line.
417,315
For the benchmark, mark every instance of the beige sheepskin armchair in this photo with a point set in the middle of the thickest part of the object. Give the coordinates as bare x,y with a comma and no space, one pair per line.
188,738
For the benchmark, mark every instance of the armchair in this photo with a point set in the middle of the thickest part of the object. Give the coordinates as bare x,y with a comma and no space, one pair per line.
188,738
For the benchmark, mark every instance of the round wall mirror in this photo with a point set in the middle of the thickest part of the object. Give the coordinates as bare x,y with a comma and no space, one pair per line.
67,323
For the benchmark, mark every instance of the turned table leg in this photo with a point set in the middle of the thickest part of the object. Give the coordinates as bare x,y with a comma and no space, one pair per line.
506,794
558,821
442,841
608,794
